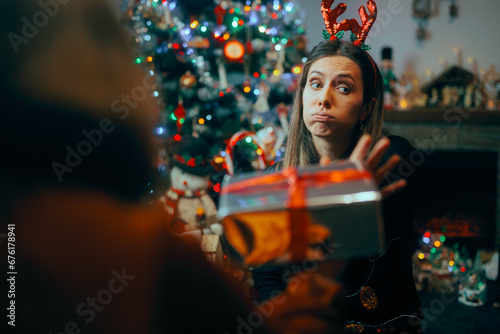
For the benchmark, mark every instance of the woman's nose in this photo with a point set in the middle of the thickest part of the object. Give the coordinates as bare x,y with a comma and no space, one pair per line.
326,99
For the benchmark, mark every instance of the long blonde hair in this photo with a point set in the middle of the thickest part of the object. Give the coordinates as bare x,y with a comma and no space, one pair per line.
300,150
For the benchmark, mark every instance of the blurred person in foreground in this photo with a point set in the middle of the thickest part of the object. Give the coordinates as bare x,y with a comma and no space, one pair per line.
77,151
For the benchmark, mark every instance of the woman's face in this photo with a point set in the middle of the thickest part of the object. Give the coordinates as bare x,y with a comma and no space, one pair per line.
333,98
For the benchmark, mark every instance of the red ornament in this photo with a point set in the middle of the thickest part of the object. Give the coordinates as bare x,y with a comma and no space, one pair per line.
220,12
191,162
180,114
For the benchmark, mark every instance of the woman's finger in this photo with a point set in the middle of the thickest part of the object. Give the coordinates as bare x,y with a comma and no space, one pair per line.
361,150
389,165
377,153
392,188
323,161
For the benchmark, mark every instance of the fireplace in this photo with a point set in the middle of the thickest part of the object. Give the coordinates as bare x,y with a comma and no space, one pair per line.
456,195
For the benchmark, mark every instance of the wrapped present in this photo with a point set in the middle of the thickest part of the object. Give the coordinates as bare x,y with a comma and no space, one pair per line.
317,212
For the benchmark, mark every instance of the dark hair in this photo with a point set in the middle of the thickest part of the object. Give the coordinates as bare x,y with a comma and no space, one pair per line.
300,148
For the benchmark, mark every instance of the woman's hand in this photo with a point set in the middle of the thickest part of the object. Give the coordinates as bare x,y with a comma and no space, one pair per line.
372,162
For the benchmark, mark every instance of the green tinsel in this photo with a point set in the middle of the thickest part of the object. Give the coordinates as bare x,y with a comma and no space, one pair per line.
353,37
340,34
326,35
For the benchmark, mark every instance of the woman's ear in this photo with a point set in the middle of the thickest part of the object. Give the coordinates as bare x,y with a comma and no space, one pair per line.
367,109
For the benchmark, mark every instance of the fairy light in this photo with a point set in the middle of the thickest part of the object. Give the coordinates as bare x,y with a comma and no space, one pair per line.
451,263
442,238
209,117
256,91
256,75
194,24
421,256
276,72
226,36
201,121
203,29
259,151
296,69
437,243
247,89
177,137
248,139
262,29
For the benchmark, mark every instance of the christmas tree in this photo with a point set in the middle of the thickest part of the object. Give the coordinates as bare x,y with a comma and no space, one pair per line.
224,68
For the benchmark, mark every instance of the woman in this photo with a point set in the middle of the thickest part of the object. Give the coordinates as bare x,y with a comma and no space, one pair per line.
77,149
337,113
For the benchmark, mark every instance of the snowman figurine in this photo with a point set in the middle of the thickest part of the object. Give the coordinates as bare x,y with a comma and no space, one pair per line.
189,208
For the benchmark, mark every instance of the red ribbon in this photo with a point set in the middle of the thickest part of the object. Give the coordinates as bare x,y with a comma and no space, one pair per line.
296,204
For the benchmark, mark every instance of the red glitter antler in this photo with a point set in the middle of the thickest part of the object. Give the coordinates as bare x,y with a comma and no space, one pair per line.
330,16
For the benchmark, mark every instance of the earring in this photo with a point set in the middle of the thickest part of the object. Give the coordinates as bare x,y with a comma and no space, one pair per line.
361,126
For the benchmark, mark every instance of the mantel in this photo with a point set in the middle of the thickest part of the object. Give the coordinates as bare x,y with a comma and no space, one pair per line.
442,115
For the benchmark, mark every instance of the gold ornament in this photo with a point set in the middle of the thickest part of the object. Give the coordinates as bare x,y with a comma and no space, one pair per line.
354,328
368,298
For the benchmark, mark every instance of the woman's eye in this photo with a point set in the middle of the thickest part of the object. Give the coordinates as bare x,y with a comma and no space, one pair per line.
315,85
344,89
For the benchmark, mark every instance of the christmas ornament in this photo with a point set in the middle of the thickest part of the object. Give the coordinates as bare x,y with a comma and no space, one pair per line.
180,115
234,50
220,12
390,97
368,298
453,9
187,81
190,210
243,153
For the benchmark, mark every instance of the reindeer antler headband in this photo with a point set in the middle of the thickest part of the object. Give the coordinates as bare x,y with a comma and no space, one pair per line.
336,30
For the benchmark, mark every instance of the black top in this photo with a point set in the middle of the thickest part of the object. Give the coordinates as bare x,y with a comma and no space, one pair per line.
385,278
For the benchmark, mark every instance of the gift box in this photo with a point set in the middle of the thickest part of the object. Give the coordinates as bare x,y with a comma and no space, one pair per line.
317,212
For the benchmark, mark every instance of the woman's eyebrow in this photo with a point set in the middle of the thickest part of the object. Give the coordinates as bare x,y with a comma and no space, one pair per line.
316,72
342,75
